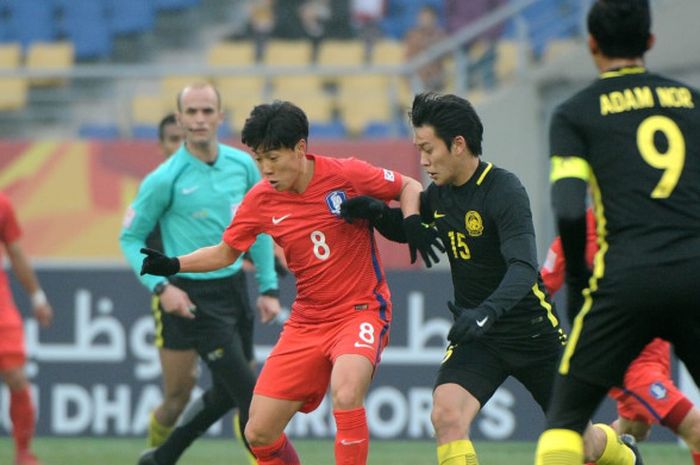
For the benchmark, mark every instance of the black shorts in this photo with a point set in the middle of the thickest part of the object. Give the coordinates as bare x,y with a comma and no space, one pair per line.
481,366
223,310
629,309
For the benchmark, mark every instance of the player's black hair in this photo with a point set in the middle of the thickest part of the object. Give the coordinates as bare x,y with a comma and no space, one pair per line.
167,119
275,125
450,116
621,27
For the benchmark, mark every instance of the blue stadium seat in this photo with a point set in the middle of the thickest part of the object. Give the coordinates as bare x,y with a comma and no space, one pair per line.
175,4
332,130
131,16
30,21
98,131
144,131
85,23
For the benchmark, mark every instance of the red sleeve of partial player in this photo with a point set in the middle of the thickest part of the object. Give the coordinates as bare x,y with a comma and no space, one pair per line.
373,181
554,267
9,227
245,224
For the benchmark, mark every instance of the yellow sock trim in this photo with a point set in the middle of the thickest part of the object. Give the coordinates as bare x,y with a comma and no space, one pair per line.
157,433
459,452
239,436
559,447
615,452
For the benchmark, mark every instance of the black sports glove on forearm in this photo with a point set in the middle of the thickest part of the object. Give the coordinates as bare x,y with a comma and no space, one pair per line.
422,238
388,221
159,264
470,323
573,240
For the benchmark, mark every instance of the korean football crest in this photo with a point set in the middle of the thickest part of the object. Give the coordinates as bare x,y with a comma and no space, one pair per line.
334,200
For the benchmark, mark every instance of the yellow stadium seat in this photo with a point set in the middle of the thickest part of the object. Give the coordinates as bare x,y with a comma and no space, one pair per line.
341,52
13,93
287,53
53,56
388,52
506,59
306,92
238,53
239,109
148,109
363,99
10,55
235,88
559,47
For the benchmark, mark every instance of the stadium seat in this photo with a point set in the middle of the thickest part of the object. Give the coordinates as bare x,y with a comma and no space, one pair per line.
506,59
236,88
148,110
388,52
54,56
98,131
341,53
31,21
13,90
13,93
144,131
131,16
86,24
239,53
363,99
172,85
334,129
287,53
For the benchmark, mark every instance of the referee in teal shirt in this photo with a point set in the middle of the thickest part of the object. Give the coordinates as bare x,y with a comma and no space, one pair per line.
193,197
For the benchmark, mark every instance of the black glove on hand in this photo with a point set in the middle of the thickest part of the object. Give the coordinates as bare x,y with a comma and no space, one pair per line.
158,264
362,207
470,323
422,238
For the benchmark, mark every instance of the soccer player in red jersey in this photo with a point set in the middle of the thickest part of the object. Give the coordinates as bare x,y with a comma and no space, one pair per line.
12,351
340,318
649,394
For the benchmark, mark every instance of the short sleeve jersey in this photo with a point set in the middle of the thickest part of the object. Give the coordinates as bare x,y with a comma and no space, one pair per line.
9,232
336,264
473,221
635,137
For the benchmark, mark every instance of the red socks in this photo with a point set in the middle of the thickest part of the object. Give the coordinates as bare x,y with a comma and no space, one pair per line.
280,452
352,438
22,416
696,457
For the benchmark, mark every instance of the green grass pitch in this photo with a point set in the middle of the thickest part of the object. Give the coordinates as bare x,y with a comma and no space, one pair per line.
79,451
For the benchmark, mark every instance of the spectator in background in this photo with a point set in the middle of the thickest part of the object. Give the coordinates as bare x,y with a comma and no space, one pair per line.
366,16
261,24
481,51
426,33
314,15
12,351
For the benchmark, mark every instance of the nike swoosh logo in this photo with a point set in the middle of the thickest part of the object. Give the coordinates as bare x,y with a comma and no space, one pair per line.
481,323
368,346
280,219
189,190
345,442
437,215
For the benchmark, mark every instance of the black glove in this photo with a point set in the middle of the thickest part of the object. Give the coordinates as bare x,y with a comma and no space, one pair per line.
159,264
470,323
422,238
363,207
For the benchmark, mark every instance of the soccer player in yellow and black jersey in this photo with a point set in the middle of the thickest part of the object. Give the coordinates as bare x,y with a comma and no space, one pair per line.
505,324
634,138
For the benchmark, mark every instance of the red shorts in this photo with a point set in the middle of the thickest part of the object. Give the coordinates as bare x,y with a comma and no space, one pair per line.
299,366
12,352
649,394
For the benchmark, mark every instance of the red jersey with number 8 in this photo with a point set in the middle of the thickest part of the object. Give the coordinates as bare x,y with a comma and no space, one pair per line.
336,264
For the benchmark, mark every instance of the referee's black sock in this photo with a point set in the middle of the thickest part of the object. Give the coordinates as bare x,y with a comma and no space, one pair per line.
196,420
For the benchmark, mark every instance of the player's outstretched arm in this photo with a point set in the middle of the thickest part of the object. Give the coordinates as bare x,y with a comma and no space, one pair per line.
201,260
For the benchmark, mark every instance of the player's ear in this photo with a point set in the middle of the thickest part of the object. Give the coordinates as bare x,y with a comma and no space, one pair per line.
300,146
593,45
650,41
459,145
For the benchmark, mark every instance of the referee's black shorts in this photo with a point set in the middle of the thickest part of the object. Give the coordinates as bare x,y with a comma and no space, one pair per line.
223,311
627,310
481,366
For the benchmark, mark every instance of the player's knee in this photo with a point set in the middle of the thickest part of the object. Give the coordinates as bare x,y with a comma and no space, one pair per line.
691,433
175,400
347,397
445,419
256,436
